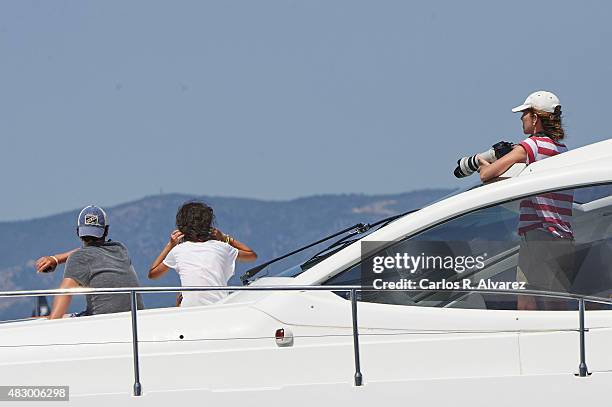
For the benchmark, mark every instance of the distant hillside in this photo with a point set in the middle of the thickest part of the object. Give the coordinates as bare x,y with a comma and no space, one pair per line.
270,227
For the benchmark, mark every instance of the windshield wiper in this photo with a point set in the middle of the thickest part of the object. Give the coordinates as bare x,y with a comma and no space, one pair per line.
358,228
253,271
334,247
343,242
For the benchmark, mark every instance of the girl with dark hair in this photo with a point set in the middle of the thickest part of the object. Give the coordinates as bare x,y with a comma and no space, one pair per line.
205,257
546,254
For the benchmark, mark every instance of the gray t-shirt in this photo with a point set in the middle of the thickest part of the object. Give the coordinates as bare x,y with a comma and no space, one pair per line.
102,266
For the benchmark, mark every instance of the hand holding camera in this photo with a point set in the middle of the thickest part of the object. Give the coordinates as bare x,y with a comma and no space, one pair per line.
468,165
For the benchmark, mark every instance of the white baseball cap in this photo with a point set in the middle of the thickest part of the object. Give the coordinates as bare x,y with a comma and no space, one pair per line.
540,100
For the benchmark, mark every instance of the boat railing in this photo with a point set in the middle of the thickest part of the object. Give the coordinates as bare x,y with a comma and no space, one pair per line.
351,290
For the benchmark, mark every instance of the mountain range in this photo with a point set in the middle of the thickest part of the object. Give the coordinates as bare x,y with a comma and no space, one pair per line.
271,228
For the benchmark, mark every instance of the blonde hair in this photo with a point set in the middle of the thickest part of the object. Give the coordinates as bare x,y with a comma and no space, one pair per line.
551,123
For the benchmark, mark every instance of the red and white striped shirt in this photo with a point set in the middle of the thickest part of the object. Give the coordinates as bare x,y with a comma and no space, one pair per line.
551,212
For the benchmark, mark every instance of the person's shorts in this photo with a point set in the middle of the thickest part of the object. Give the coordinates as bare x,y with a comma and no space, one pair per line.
546,262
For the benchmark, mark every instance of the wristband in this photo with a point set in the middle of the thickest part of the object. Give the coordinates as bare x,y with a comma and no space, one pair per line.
56,260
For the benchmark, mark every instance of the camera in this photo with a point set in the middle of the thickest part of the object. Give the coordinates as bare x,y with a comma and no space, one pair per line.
468,165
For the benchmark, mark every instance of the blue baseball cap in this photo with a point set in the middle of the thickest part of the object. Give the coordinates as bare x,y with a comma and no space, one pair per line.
92,221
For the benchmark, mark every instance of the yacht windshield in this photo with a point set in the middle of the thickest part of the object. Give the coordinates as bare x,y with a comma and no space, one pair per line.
493,234
340,244
298,269
349,238
291,271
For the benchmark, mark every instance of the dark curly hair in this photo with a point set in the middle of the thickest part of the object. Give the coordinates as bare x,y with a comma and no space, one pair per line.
194,220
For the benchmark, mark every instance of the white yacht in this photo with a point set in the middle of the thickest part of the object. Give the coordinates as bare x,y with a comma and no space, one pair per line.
265,346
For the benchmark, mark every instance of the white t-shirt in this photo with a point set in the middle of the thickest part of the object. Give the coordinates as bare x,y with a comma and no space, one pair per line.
209,263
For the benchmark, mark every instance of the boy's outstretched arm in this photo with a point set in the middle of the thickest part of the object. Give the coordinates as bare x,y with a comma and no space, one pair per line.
47,264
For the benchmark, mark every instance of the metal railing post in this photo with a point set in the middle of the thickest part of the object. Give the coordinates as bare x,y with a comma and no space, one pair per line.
582,368
134,308
358,375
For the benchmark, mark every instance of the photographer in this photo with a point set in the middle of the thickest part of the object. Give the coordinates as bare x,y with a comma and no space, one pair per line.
546,250
200,254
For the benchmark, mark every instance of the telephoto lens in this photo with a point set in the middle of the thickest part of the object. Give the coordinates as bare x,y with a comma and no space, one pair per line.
468,165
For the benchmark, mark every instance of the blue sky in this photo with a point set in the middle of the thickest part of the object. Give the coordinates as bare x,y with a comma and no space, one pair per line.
105,102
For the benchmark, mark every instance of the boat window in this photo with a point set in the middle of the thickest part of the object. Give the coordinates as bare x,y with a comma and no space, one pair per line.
564,245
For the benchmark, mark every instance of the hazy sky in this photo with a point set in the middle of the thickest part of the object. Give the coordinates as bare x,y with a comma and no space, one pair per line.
105,102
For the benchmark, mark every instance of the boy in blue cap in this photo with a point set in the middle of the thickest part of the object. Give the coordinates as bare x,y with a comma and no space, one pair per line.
100,263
